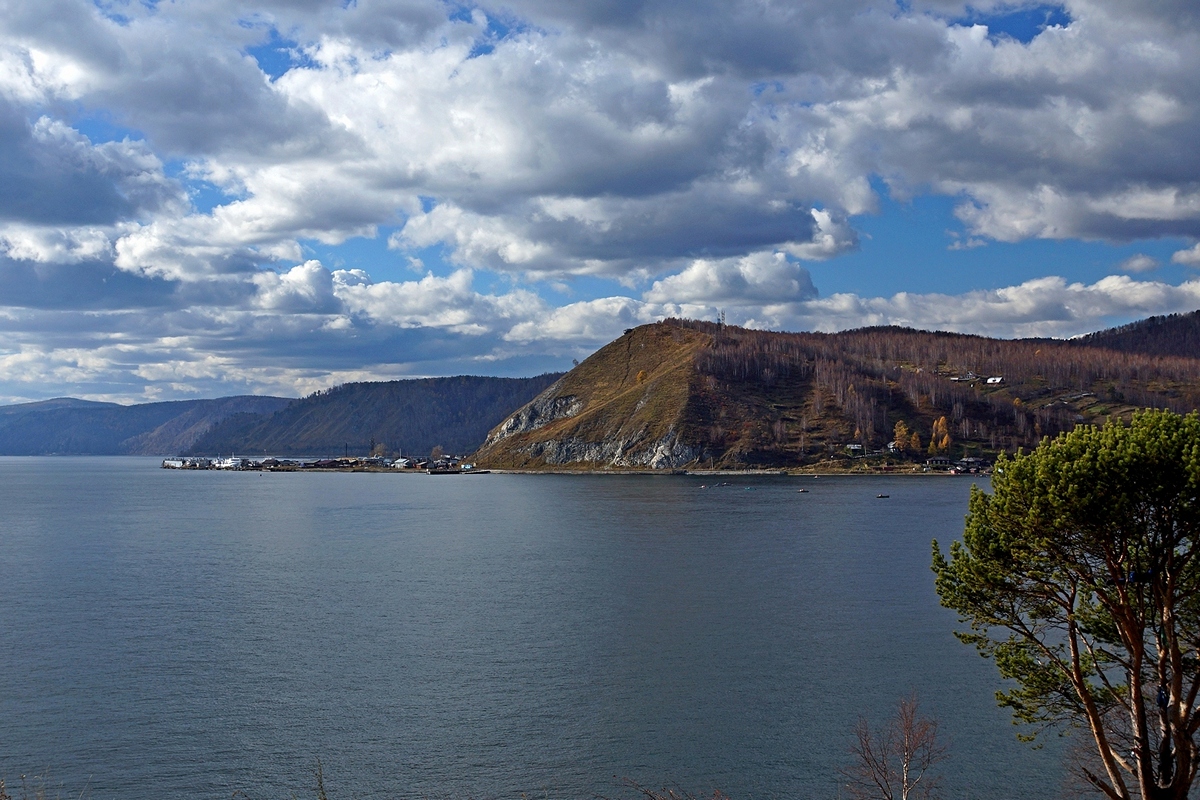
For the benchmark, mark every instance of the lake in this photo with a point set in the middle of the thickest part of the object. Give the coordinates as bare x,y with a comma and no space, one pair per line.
169,634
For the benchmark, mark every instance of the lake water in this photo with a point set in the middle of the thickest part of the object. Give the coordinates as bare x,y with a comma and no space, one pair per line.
173,634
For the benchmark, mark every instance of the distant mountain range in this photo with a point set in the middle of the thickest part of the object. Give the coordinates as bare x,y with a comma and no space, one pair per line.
81,427
681,393
412,416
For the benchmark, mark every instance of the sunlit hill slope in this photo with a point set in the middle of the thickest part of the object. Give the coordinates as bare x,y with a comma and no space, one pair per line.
682,393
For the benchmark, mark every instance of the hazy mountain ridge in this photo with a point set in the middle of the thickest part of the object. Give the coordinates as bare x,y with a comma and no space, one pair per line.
680,393
68,426
409,416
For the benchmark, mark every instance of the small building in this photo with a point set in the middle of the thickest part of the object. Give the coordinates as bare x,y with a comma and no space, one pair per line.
996,380
972,465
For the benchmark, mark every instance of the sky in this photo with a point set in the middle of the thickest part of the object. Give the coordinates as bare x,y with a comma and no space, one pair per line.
204,198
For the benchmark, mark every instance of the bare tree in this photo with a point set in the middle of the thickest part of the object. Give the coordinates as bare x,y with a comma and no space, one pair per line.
896,761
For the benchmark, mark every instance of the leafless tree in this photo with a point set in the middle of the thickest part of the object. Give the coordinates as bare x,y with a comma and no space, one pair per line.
895,762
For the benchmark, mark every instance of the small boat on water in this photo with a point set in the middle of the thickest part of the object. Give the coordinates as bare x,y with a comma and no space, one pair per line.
883,496
802,491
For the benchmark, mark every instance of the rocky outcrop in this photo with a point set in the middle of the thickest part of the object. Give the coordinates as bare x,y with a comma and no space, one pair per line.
541,411
665,453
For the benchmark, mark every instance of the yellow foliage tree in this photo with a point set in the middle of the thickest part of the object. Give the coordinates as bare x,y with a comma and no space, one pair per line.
900,435
940,440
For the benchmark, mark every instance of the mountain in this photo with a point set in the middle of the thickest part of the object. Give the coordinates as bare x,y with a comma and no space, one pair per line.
409,416
680,392
1172,335
69,426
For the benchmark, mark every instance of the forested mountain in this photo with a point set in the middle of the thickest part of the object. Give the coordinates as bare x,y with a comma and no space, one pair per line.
682,392
1172,335
70,426
409,416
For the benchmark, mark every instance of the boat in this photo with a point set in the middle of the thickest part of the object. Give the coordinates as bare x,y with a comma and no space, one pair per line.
883,496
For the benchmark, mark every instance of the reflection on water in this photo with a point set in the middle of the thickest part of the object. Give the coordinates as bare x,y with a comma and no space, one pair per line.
181,634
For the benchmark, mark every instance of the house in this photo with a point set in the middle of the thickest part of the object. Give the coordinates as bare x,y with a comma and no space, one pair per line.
996,380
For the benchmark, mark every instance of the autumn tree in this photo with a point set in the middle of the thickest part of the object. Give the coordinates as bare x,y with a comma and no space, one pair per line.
1080,577
895,762
900,435
940,440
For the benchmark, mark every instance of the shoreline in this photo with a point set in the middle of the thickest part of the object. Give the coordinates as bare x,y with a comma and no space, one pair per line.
761,473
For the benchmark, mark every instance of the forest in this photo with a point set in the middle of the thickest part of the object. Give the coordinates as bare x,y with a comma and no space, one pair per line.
772,397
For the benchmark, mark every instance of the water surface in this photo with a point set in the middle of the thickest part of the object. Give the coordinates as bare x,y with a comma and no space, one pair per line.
173,634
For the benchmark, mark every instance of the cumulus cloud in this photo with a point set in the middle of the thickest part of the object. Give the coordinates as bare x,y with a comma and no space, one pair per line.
1190,256
588,140
54,245
307,288
1138,263
754,280
53,175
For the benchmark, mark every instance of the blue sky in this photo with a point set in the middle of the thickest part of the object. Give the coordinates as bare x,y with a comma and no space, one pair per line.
210,197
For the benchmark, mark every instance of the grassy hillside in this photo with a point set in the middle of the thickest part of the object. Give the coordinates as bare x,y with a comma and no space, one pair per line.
731,397
411,416
80,427
628,403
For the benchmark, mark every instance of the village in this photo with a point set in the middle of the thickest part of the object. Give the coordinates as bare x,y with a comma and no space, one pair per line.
454,465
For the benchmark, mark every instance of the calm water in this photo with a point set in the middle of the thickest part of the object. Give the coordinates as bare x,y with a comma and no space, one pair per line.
179,634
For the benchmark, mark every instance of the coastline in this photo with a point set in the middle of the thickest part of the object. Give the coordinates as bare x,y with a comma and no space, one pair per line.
762,473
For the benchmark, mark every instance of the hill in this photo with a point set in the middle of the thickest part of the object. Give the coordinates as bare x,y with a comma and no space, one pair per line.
681,393
81,427
1172,335
409,416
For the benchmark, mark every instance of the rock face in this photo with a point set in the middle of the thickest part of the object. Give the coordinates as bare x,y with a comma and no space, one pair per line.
666,453
541,411
626,407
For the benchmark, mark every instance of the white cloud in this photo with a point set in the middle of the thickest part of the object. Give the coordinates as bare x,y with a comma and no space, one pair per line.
1138,263
753,280
1190,256
57,245
307,288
